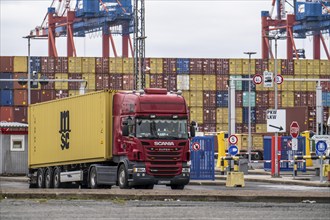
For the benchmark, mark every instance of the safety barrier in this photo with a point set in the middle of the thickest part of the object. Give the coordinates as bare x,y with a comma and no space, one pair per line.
298,158
229,158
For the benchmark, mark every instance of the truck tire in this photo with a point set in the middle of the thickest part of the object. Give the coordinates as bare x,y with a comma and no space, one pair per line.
175,187
41,178
49,178
122,177
56,177
93,178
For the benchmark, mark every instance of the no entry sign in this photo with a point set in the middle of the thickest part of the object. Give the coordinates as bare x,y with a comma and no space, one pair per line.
294,129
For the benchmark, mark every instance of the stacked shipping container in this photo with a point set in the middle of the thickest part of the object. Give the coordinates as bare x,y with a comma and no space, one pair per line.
204,83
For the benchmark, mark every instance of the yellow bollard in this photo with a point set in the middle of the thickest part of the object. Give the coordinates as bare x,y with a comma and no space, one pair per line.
222,146
306,134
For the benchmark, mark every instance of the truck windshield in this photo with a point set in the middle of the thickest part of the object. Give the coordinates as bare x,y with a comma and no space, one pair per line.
161,129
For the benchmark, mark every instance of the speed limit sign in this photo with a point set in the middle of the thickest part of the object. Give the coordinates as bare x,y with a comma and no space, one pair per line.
257,79
232,139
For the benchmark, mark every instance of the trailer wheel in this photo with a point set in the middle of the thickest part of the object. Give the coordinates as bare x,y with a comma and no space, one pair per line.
41,178
92,178
49,178
177,187
122,177
56,177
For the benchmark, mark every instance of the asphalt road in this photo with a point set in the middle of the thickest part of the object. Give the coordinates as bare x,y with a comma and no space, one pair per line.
165,209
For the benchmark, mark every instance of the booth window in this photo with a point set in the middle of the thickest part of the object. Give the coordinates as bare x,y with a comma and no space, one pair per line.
17,143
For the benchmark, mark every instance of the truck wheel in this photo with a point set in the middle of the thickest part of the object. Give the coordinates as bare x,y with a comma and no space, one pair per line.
93,179
49,178
122,177
177,187
41,178
56,177
151,186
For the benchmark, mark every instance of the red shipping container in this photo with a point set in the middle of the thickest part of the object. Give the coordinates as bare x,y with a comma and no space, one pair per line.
20,76
128,81
311,98
116,81
271,96
61,64
245,128
59,94
35,96
102,65
169,65
20,114
209,98
7,114
6,64
222,82
74,85
209,115
261,115
49,85
47,64
262,99
156,81
300,98
239,128
261,65
210,127
239,99
325,85
169,82
287,67
20,97
222,66
47,95
209,66
102,81
196,66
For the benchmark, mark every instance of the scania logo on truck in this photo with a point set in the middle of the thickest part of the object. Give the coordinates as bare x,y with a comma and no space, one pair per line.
65,129
163,143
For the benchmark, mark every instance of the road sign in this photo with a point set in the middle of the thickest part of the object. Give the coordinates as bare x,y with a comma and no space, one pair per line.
233,150
268,79
196,146
279,79
257,79
294,143
321,137
294,129
232,139
321,146
276,120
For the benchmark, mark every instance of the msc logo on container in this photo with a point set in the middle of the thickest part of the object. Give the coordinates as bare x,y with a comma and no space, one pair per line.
65,129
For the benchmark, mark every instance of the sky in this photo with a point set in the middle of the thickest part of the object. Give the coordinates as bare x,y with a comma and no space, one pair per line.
174,28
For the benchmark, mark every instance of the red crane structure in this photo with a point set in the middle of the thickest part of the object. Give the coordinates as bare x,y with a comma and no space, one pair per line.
310,18
87,16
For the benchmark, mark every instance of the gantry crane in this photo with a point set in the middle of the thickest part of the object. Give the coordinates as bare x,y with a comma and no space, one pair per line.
76,18
310,18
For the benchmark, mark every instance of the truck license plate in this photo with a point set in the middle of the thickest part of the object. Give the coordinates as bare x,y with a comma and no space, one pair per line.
164,182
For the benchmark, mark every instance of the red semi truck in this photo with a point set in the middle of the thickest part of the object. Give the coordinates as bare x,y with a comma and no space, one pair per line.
130,139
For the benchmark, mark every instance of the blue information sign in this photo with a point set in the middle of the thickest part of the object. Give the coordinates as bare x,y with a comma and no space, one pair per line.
233,150
321,146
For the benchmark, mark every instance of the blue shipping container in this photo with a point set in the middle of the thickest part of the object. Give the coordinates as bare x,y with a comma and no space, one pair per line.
245,85
182,65
7,97
202,158
35,64
222,99
6,84
326,99
286,153
246,115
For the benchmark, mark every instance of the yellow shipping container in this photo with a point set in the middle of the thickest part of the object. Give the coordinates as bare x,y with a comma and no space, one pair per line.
147,80
88,65
128,65
86,145
90,80
235,66
287,99
261,128
300,85
257,142
313,67
196,82
271,66
75,65
222,115
287,85
61,85
74,92
209,82
196,98
260,87
300,67
222,127
311,86
156,65
242,143
20,64
196,114
246,67
239,115
325,67
116,65
186,95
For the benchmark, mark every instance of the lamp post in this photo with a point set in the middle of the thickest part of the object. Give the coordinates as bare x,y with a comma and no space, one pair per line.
29,69
249,109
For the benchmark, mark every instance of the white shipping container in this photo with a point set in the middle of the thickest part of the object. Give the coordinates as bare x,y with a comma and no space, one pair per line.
182,82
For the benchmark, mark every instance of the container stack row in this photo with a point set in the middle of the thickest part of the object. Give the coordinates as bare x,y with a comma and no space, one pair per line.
204,83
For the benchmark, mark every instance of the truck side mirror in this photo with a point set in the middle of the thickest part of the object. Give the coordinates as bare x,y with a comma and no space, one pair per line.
192,129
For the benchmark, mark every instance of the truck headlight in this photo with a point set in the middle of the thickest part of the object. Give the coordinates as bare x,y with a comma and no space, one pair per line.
139,170
185,170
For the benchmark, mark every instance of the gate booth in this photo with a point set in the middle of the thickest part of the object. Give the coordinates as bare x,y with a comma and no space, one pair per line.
202,158
286,159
